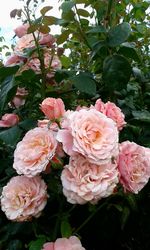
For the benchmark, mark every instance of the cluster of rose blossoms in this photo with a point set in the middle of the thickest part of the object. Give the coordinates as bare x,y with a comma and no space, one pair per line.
97,161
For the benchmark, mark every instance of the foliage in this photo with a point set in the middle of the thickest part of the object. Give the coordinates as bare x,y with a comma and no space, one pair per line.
108,58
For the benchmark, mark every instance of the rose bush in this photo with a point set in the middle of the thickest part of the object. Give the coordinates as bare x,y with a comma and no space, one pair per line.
74,128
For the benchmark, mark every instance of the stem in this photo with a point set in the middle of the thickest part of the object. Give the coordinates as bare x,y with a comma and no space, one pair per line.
108,14
40,55
82,33
90,217
54,236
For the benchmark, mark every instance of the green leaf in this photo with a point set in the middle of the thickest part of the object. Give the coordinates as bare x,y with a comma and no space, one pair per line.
32,28
37,244
97,29
118,34
8,90
66,62
50,20
84,83
14,245
82,12
11,136
63,37
67,16
130,53
116,71
66,230
27,124
45,9
143,116
8,71
124,217
67,6
81,1
44,29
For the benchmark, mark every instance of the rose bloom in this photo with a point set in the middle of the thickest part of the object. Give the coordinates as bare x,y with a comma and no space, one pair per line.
91,134
112,111
134,166
73,243
21,30
19,98
34,152
53,108
27,41
49,62
9,120
86,182
23,198
46,39
15,59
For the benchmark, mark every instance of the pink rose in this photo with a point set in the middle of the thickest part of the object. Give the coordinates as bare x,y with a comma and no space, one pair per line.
27,41
49,63
91,134
53,108
73,243
15,59
46,39
134,166
19,98
86,182
9,120
21,30
23,198
112,111
100,106
34,152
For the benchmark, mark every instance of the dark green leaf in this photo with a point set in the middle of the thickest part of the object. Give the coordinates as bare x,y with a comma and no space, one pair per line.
8,71
129,52
8,90
118,34
97,29
124,217
27,124
143,116
84,83
14,245
67,6
116,71
11,136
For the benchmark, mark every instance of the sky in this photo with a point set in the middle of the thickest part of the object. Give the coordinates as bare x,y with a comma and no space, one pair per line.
8,24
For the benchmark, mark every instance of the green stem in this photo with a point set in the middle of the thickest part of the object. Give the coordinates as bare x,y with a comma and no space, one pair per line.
54,236
82,33
108,14
41,57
